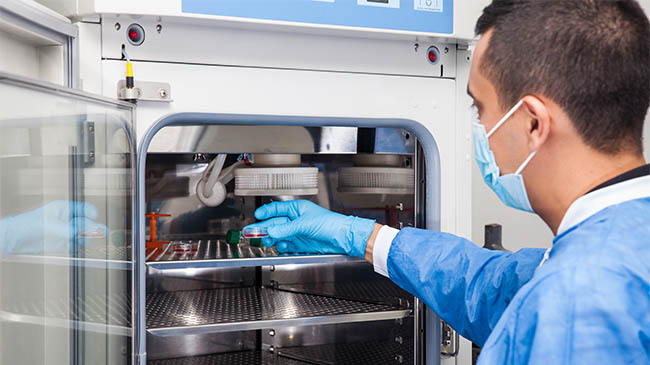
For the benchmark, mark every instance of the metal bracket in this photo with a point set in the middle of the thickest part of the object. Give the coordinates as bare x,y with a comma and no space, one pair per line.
145,91
450,340
87,142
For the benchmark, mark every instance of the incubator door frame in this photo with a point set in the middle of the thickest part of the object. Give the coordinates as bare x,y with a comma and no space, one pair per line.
430,323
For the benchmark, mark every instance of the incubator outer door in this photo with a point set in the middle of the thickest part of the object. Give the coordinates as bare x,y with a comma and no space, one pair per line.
66,226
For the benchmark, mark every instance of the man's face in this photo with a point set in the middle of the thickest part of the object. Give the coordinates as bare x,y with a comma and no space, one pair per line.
509,142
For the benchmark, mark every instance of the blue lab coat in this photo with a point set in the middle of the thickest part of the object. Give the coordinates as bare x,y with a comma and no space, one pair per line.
589,303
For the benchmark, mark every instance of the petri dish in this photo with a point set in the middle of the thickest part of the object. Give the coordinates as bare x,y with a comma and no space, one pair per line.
184,246
255,232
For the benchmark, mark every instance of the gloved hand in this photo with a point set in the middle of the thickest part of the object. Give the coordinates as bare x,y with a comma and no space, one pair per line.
50,228
302,226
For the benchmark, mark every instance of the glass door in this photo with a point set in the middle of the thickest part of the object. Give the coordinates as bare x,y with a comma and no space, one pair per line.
66,226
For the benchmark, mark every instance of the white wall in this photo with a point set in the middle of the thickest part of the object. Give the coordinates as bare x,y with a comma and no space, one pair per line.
520,229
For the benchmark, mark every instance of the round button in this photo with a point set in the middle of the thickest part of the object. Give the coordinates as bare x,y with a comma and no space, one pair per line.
135,34
433,55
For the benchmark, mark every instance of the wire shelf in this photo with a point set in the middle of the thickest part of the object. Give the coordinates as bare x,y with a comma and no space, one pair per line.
216,253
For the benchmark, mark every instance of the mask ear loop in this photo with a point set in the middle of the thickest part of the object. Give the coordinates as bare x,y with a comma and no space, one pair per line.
523,165
505,118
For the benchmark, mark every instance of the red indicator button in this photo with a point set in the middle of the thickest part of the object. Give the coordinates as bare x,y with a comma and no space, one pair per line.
433,55
135,34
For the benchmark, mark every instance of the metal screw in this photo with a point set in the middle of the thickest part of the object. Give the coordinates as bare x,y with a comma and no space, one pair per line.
399,340
417,45
91,129
163,93
272,268
91,154
117,26
158,28
271,349
399,359
446,50
400,206
272,333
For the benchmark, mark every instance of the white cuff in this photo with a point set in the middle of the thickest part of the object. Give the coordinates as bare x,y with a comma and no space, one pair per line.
380,251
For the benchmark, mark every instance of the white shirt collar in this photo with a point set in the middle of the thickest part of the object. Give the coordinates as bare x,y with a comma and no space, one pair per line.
591,203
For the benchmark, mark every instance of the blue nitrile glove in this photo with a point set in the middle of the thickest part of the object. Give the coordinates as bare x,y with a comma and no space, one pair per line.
302,226
50,228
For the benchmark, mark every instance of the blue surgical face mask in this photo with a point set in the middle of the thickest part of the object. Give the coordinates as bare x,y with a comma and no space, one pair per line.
509,188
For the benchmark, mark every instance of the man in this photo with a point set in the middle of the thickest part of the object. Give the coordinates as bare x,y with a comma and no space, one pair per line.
562,89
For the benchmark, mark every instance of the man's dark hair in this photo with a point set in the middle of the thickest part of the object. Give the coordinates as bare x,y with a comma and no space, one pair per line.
591,57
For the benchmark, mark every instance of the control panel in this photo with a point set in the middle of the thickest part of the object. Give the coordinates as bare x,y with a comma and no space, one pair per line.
410,16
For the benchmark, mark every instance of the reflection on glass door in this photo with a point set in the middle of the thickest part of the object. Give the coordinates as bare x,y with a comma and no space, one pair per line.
66,226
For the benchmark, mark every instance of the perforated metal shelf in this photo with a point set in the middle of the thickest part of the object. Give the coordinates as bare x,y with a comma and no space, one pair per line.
381,291
98,314
360,353
109,253
237,309
216,253
371,353
231,358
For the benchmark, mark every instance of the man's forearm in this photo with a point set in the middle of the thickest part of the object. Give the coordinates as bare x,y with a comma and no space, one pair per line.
370,245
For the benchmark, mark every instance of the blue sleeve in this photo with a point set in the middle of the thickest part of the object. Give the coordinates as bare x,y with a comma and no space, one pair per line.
582,315
467,286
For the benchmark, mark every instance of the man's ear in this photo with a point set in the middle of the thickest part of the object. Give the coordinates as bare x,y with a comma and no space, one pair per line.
538,122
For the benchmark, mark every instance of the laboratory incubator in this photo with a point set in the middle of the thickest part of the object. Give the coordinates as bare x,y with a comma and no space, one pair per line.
194,114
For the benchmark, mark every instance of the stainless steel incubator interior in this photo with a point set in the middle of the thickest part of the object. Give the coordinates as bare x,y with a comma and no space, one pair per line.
209,301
